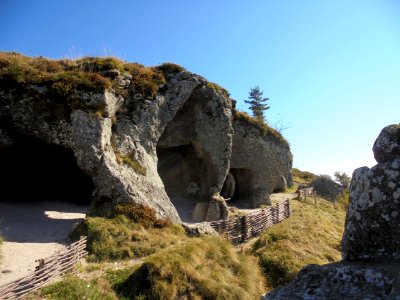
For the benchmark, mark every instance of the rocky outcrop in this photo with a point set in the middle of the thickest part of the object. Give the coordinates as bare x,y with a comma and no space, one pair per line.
373,218
170,148
261,162
327,187
371,242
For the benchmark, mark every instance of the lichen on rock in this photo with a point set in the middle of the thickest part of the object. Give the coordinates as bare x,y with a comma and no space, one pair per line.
371,241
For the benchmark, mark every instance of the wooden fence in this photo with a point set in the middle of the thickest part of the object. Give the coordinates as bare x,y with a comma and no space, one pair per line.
303,193
47,270
240,229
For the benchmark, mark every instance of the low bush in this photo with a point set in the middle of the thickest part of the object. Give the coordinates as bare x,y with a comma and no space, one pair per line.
312,235
201,268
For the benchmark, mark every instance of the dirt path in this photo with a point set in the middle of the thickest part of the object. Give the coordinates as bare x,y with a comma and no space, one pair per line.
31,231
279,197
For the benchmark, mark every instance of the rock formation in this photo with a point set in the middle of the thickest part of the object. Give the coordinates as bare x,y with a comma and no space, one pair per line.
161,137
327,187
371,242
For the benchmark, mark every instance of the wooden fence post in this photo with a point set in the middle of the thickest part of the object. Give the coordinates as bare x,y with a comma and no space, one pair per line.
315,197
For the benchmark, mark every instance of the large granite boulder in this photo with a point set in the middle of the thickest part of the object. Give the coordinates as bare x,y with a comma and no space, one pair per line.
326,187
371,243
341,281
372,230
161,137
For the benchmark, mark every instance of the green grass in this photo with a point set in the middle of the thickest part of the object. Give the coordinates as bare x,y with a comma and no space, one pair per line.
128,231
218,88
263,127
201,268
312,235
303,177
72,287
134,164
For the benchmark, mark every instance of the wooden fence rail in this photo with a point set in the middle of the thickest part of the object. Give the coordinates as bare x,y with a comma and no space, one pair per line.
47,270
240,229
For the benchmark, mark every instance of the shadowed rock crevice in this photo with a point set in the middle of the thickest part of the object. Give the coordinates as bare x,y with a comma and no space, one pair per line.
32,170
238,187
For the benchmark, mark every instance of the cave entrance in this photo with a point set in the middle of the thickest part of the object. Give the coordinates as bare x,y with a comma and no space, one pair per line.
186,178
32,170
238,188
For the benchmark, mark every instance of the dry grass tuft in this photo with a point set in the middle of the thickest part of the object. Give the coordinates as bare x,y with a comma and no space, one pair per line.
263,127
201,268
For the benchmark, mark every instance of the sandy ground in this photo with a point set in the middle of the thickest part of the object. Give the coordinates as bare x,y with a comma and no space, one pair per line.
34,230
279,197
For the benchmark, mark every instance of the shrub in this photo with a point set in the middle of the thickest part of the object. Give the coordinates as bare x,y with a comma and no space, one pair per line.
142,214
312,235
263,127
201,268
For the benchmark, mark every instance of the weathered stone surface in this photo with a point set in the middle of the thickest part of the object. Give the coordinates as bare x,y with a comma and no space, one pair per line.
342,281
327,187
150,151
371,242
373,217
217,209
387,145
258,163
198,229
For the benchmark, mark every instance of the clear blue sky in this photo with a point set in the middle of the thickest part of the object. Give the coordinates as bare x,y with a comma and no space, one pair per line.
330,68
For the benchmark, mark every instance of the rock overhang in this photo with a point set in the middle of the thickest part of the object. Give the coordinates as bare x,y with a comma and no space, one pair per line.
114,128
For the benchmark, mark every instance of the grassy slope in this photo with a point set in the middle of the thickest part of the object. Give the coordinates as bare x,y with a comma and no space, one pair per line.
312,235
200,268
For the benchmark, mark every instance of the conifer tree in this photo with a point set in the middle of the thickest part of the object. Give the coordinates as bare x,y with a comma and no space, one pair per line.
257,103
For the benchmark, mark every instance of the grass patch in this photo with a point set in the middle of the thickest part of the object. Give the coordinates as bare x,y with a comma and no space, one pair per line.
263,127
303,177
129,231
170,68
312,235
218,88
201,268
134,164
72,287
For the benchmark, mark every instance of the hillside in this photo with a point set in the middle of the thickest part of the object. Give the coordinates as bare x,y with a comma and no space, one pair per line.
207,267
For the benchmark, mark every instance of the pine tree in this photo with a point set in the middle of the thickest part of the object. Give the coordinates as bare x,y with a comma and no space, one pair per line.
257,103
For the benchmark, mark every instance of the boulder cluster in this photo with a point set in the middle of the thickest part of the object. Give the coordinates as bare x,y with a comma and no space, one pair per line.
371,242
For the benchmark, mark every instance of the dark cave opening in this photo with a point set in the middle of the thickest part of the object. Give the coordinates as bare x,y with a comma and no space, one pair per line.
185,177
32,170
238,188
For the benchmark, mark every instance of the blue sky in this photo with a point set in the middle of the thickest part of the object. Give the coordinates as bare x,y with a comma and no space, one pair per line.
330,68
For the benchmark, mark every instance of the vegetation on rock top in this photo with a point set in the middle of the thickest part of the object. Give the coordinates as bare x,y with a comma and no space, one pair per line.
303,177
262,126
